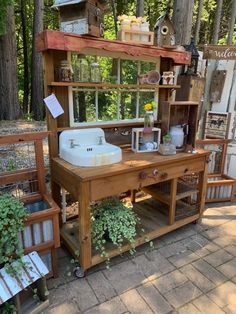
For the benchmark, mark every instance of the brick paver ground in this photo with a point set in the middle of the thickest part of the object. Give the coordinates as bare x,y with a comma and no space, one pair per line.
191,270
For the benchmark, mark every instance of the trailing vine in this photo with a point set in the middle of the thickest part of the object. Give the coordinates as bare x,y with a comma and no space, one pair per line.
113,221
12,217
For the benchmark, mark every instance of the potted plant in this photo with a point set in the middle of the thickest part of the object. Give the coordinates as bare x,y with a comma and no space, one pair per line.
12,217
113,221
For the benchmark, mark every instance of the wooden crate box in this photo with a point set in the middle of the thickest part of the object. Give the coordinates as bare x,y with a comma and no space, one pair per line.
25,179
220,187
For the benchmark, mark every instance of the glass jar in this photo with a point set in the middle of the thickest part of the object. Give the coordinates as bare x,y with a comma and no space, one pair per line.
177,136
95,73
84,70
65,71
148,121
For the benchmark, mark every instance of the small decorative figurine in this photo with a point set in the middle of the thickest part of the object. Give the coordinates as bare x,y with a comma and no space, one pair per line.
164,32
168,78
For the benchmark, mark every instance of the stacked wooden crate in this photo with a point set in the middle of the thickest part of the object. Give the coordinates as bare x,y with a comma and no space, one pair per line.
220,187
23,176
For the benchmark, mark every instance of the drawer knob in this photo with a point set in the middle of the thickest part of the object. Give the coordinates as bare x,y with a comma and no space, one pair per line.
186,170
155,172
143,175
164,175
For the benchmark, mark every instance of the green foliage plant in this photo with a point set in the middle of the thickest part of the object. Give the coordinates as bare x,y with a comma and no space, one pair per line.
166,138
113,221
12,218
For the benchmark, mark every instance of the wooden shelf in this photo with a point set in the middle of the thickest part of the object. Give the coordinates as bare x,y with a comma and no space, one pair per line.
182,209
161,191
115,86
154,223
55,40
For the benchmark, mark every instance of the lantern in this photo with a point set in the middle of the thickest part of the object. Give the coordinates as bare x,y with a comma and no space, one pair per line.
192,68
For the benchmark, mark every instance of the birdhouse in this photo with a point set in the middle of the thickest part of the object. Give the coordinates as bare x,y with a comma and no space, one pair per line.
164,32
84,17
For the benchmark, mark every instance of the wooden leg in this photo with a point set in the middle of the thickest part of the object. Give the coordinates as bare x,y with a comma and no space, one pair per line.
54,262
16,300
172,207
202,187
41,289
56,193
84,226
132,195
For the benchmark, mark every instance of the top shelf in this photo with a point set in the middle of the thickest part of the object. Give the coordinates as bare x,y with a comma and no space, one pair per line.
55,40
114,86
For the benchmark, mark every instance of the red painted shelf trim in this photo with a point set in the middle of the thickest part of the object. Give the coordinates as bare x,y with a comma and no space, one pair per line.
55,40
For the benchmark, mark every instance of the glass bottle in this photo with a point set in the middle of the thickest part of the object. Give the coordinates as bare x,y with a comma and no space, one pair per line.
84,70
148,122
95,73
65,71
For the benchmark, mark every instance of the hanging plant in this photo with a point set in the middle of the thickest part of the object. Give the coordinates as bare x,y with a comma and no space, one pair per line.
12,218
113,221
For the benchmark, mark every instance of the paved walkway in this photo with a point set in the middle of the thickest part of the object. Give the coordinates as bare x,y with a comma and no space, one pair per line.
191,270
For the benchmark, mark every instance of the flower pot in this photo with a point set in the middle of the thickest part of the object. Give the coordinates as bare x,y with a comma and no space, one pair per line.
148,122
144,27
124,26
135,27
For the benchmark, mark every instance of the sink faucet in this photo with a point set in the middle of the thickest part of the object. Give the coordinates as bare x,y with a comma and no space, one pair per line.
72,144
100,142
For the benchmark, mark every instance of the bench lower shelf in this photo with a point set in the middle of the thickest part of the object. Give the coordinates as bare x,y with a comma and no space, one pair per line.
154,223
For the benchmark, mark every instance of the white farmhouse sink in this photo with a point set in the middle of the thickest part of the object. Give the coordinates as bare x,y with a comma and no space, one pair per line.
87,148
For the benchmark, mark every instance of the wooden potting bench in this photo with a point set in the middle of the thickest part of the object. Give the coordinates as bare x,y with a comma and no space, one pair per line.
135,171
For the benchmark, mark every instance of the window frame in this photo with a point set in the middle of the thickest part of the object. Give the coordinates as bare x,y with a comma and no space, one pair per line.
137,119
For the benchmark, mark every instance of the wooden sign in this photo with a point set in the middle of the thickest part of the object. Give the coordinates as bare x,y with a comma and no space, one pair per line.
217,85
219,52
217,124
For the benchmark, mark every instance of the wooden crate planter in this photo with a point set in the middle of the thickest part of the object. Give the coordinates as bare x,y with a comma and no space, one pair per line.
136,37
220,187
41,231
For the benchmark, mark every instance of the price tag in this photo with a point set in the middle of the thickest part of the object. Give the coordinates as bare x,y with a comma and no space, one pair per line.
53,106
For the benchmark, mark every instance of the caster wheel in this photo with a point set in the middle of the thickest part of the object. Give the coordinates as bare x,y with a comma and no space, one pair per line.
79,272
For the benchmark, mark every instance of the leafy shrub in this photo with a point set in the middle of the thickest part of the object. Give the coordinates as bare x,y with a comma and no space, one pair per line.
12,217
113,221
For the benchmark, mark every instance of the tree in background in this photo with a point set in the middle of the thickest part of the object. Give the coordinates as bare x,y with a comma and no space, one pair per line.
198,21
217,19
9,103
37,64
23,14
182,20
232,24
140,8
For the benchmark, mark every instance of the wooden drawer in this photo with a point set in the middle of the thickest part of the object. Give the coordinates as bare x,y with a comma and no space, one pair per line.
136,179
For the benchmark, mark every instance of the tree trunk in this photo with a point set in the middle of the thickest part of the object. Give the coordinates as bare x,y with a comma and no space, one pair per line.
25,56
182,19
37,64
198,21
216,27
113,7
232,23
9,103
140,8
